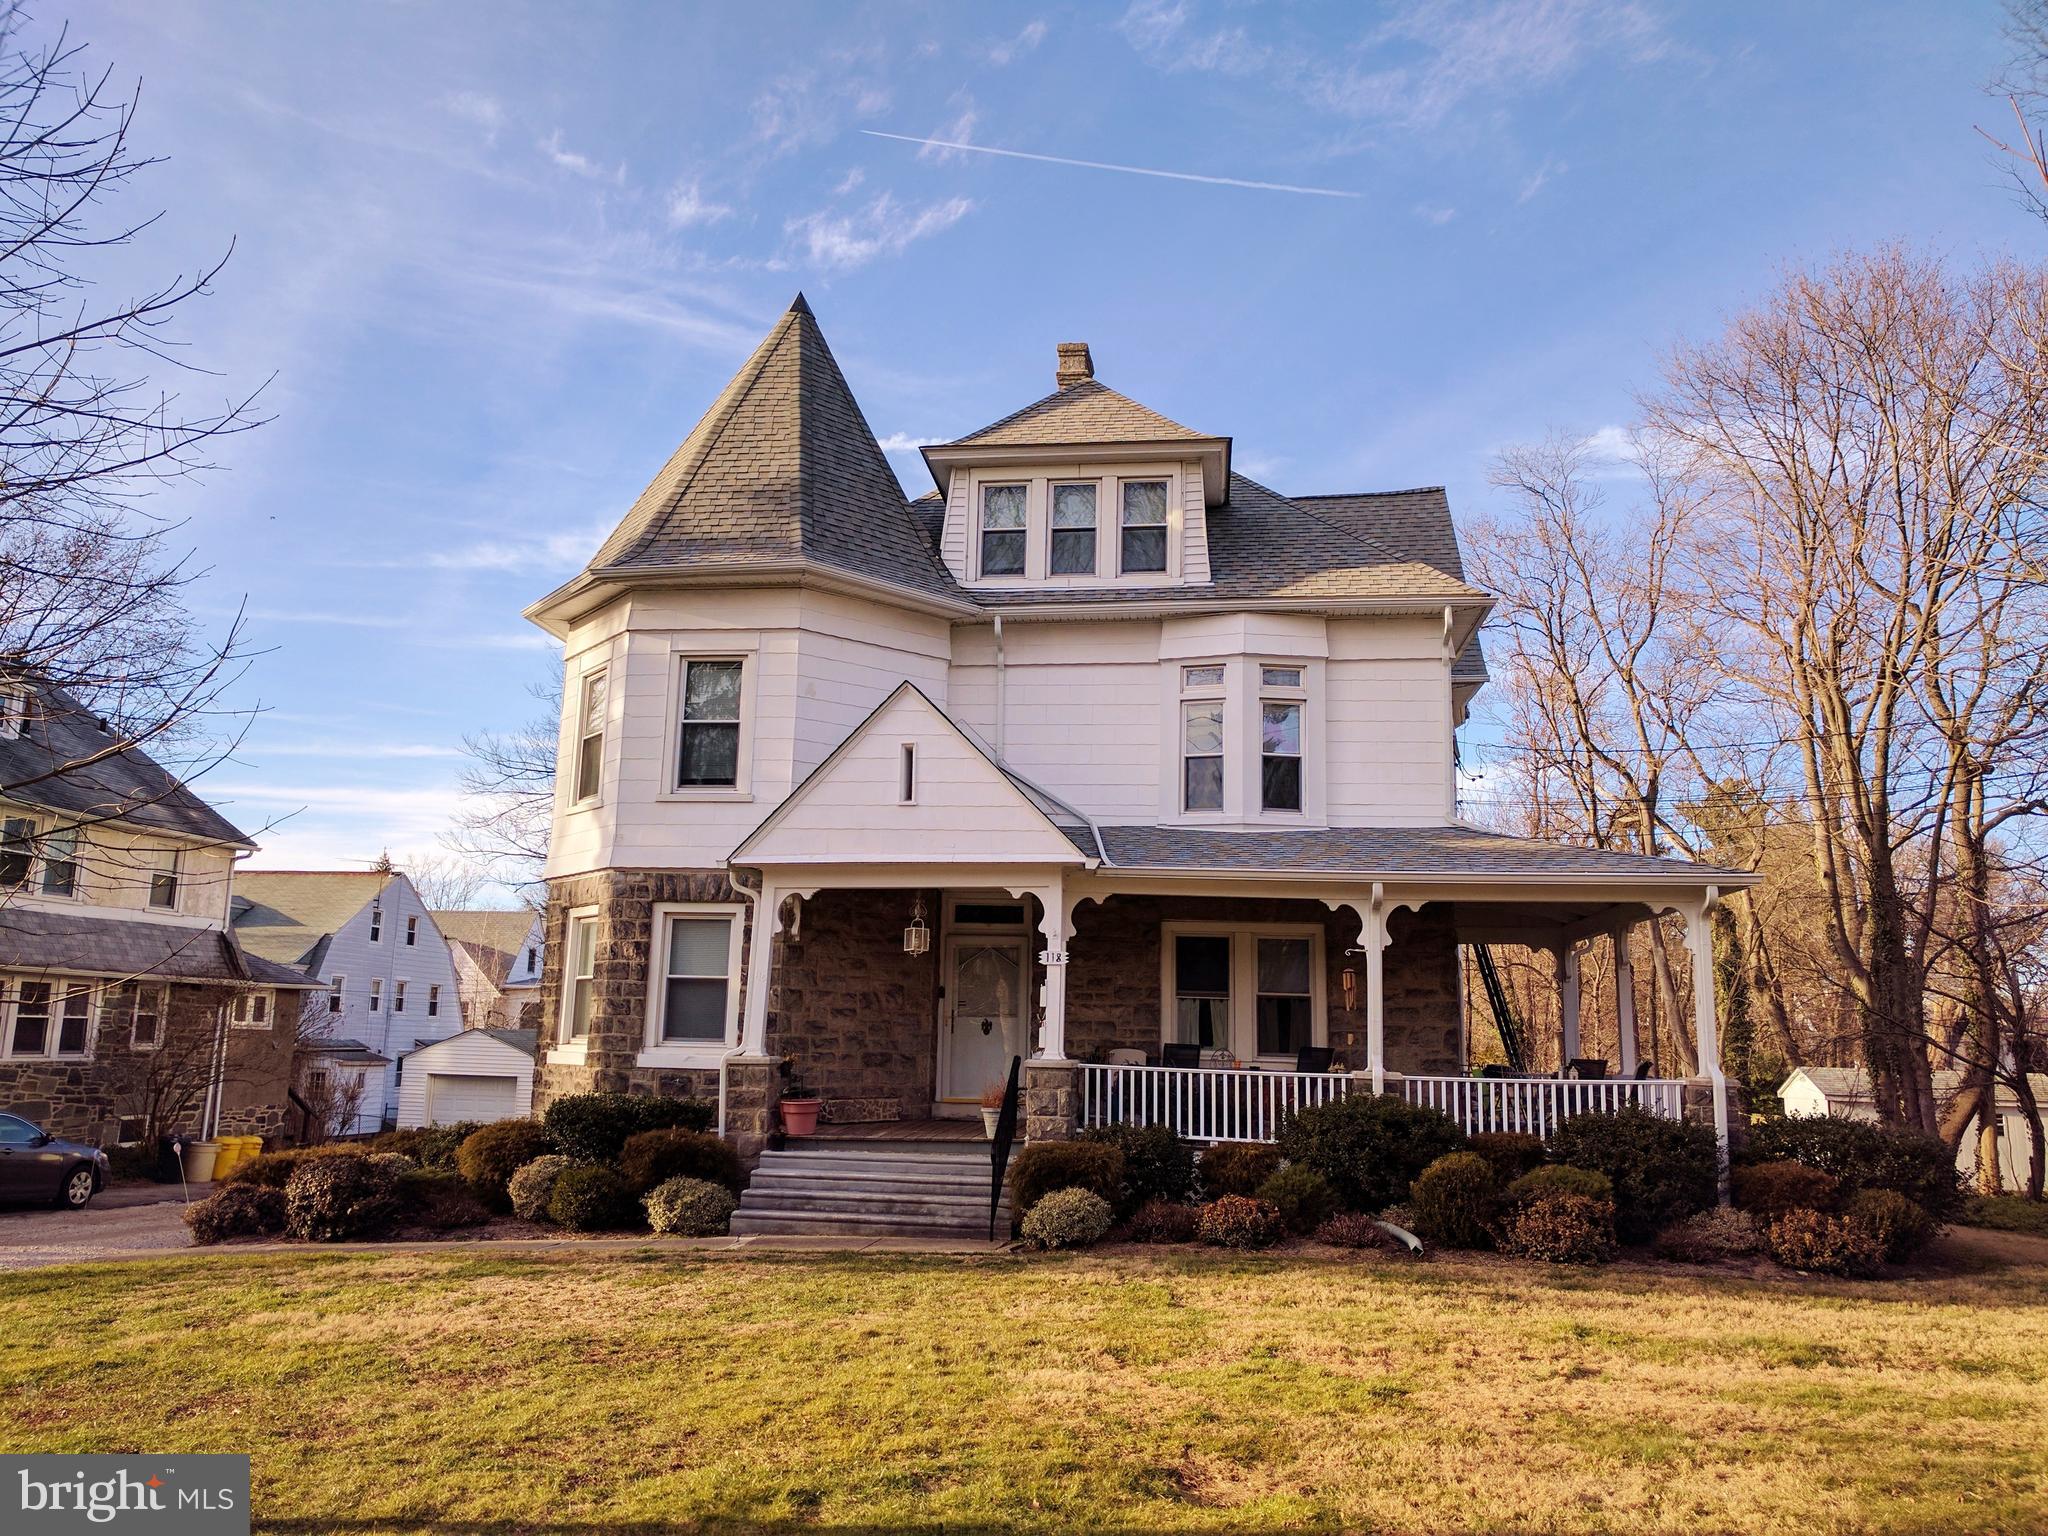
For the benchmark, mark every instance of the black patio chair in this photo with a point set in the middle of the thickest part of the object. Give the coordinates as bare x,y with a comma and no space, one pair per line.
1177,1054
1589,1069
1312,1058
1645,1069
1493,1069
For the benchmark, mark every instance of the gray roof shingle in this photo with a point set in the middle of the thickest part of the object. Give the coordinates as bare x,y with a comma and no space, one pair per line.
288,914
1418,522
1087,412
1376,851
38,940
127,785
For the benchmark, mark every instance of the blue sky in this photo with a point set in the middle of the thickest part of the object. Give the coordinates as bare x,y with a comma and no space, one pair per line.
499,258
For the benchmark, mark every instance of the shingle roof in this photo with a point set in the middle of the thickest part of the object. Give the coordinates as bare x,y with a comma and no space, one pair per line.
1087,412
782,467
352,1051
34,939
1851,1085
502,931
126,785
287,914
1417,522
1263,545
1373,851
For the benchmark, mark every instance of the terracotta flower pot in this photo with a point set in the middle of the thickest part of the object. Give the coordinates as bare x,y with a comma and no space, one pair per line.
800,1116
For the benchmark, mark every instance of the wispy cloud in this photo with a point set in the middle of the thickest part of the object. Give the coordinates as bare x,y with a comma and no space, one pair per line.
807,107
1103,165
884,227
485,111
687,205
577,164
315,616
1433,214
346,751
1539,178
903,442
954,140
1011,49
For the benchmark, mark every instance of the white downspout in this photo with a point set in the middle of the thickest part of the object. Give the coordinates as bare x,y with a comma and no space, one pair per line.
1000,710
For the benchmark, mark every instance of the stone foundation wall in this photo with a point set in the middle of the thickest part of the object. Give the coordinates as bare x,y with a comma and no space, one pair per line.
88,1099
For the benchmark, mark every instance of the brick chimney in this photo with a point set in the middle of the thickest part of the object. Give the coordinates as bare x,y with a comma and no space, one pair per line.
1076,366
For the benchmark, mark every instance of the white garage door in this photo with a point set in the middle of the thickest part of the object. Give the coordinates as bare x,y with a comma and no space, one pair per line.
451,1099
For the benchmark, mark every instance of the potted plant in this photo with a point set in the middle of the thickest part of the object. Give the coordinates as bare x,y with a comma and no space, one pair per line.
992,1107
800,1107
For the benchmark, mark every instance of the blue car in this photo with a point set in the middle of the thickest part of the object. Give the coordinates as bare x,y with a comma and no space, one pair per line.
36,1166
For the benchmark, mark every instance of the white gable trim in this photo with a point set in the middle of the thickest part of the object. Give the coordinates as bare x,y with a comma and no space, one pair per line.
916,832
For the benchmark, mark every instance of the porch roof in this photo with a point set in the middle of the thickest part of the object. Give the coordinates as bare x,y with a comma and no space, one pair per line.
1359,853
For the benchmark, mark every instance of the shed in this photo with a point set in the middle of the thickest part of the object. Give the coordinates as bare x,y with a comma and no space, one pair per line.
478,1074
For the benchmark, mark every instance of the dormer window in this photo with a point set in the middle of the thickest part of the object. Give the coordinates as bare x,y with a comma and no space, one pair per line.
13,712
1143,546
1003,519
1073,529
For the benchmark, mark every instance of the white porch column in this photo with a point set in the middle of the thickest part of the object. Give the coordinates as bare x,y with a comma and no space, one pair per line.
760,958
1699,938
1052,997
1372,942
1567,961
1625,999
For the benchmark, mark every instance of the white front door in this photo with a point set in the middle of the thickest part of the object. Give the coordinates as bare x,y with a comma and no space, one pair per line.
982,1025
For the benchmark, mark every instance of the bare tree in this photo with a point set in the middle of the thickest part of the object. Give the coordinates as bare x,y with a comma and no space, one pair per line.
446,882
509,796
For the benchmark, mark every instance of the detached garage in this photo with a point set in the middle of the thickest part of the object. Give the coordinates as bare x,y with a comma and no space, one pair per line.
479,1074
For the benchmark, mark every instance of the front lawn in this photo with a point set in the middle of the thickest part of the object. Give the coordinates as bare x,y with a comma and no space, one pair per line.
469,1392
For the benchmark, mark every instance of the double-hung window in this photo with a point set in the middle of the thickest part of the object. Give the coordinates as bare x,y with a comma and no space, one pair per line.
376,924
1254,991
163,879
1280,714
335,994
580,978
698,956
146,1026
398,997
1143,544
1286,996
1201,725
590,736
40,1020
1201,990
60,863
1002,529
1073,530
17,850
376,994
412,931
433,1001
251,1010
708,754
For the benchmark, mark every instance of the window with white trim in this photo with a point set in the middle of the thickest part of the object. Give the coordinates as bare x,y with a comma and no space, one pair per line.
1142,545
39,1020
60,862
433,1001
376,994
251,1010
335,994
708,745
1073,534
699,959
163,879
1201,758
1003,522
376,924
398,997
906,784
590,712
17,850
13,712
579,977
151,1005
1255,991
412,931
1282,706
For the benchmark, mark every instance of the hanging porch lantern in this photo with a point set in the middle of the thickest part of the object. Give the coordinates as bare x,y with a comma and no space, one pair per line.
917,939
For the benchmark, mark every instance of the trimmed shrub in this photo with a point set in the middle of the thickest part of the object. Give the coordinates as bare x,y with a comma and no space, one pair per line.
1705,1237
1661,1169
1370,1147
1512,1153
335,1198
592,1127
273,1170
489,1157
685,1207
236,1210
654,1157
1898,1226
1044,1166
1354,1229
1560,1228
1823,1244
1235,1221
530,1187
1559,1178
1401,1215
1068,1218
1302,1196
439,1199
1159,1164
431,1146
1864,1156
592,1198
1238,1168
1768,1190
2006,1213
1157,1221
1454,1200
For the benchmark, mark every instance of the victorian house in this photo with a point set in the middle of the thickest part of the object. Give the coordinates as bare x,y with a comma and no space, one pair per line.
1099,756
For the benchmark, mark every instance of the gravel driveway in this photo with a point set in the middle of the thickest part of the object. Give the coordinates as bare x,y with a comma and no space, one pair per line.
30,1239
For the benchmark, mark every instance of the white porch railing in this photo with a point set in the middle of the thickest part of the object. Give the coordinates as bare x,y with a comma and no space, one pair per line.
1203,1103
1538,1105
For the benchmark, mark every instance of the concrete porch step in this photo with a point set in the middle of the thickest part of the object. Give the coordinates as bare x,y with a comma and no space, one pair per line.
791,1225
908,1190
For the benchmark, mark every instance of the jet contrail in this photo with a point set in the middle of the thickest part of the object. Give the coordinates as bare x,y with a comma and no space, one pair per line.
1103,165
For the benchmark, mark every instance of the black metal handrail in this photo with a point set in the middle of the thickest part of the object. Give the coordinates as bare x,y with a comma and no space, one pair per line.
999,1149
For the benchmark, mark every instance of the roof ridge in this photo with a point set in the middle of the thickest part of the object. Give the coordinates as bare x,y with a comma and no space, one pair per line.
1412,490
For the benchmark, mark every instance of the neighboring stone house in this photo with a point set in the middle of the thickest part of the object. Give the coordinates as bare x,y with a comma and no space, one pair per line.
127,1008
497,965
1101,756
387,982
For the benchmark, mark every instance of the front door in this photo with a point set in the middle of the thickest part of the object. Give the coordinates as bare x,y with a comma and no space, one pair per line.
982,1025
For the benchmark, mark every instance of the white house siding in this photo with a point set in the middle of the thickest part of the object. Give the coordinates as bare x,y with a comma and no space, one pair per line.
114,868
469,1054
1388,699
425,963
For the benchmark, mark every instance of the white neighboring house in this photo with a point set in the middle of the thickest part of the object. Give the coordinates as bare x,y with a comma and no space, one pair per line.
480,1074
369,939
1845,1093
497,957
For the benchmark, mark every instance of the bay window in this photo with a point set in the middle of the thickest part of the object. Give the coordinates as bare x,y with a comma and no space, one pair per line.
1279,755
708,752
590,735
1002,529
579,980
1143,544
1073,530
1202,755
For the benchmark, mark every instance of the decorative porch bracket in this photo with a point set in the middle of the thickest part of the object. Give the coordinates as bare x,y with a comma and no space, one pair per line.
1372,914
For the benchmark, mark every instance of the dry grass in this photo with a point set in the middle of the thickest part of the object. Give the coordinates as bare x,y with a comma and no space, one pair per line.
1131,1391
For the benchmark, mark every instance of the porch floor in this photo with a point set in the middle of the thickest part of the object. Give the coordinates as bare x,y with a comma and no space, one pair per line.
898,1130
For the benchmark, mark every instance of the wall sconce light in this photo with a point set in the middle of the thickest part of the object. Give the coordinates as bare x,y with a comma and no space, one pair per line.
917,939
